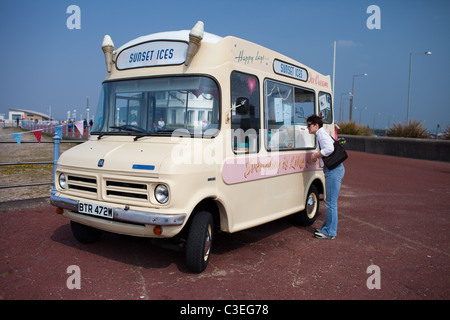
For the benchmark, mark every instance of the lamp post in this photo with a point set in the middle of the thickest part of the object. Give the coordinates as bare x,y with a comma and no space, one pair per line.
353,92
374,115
360,113
409,85
341,112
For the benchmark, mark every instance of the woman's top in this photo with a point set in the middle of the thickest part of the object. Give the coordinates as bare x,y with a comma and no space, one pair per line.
326,144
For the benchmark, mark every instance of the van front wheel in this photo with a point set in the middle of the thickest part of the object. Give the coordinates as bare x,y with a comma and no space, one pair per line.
199,241
309,214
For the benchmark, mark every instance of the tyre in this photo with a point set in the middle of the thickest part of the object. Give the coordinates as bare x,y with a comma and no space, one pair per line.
199,241
85,234
309,214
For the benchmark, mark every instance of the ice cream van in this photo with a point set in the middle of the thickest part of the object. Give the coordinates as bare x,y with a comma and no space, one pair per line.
194,134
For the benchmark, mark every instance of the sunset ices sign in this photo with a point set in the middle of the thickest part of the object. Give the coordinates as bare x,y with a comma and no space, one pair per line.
155,53
290,70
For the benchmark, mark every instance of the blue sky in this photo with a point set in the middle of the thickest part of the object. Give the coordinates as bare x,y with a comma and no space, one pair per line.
44,63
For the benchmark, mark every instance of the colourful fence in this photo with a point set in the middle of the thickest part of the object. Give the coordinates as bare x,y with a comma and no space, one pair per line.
76,130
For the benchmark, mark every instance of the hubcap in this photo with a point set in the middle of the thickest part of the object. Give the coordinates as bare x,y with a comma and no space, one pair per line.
207,244
311,206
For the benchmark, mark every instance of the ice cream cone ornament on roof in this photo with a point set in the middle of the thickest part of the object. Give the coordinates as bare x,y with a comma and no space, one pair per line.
108,49
195,39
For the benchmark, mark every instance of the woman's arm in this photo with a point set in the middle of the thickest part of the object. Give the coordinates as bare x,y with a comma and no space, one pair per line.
326,145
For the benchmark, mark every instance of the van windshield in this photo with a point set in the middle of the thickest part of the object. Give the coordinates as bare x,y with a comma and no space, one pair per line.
158,106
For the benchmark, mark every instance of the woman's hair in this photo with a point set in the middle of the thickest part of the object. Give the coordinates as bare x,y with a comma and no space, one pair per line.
314,119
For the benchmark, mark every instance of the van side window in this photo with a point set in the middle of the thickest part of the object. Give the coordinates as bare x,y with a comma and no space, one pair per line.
286,109
245,117
325,105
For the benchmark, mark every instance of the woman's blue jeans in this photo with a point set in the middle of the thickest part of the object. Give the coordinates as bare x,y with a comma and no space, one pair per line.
333,179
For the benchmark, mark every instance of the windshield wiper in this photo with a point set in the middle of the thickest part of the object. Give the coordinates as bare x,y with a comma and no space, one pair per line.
131,128
158,132
128,127
164,131
137,137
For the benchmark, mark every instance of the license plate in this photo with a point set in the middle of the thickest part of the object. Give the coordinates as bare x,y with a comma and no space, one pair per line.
95,210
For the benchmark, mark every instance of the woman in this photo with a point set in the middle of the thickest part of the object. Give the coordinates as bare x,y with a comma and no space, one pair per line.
333,178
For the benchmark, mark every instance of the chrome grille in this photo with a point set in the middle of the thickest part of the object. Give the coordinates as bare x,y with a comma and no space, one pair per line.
126,190
82,183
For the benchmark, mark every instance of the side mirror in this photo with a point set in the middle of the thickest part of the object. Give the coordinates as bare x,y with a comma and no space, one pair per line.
242,106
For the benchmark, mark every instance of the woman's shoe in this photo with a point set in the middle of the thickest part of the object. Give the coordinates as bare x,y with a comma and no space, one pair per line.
320,235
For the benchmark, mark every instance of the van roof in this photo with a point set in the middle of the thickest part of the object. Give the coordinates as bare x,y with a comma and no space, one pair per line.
239,45
181,35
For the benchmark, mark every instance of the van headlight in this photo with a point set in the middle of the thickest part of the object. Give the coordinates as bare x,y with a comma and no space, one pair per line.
62,180
161,193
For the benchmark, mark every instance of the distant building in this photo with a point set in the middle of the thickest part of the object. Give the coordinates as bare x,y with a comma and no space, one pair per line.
23,114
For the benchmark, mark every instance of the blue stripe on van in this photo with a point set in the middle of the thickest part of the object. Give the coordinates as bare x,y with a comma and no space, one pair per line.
143,167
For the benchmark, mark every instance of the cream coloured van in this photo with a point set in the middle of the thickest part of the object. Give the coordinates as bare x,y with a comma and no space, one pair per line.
194,134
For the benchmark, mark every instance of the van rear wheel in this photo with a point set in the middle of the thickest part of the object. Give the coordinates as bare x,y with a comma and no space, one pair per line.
199,241
309,214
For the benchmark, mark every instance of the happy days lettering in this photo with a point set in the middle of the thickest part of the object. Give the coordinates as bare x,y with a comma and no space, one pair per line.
248,59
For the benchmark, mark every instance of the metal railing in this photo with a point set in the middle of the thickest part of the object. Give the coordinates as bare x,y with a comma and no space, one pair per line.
56,151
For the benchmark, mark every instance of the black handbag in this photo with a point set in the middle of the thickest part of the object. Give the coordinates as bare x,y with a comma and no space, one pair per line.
337,157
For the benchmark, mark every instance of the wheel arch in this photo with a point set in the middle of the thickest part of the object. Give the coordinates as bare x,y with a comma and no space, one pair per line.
319,184
217,210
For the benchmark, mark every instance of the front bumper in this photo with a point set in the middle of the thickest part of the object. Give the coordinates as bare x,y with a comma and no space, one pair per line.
131,216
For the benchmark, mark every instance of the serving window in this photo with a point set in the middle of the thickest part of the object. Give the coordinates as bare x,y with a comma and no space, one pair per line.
325,107
286,109
245,114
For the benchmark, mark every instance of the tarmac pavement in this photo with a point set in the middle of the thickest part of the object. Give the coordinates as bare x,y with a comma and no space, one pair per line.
392,243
